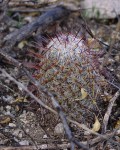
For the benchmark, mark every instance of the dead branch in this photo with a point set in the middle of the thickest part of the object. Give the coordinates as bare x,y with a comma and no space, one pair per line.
100,136
51,16
99,139
108,112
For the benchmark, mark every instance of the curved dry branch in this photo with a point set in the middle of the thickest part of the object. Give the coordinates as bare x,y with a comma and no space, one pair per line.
51,16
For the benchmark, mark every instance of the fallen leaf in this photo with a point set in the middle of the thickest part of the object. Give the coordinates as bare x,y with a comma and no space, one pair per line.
19,100
83,93
92,43
5,120
17,108
22,44
117,124
96,125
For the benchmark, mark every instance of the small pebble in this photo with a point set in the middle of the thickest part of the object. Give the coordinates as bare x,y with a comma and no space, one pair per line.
27,130
44,146
59,129
8,98
45,136
117,58
28,19
12,125
87,133
25,142
8,108
20,135
17,132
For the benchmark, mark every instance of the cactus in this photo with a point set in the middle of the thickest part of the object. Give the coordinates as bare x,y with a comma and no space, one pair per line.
69,68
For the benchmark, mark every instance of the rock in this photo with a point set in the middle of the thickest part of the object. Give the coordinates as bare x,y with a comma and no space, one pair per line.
23,117
86,133
45,136
27,130
12,125
117,58
28,19
8,98
18,133
8,108
44,146
59,129
101,9
25,142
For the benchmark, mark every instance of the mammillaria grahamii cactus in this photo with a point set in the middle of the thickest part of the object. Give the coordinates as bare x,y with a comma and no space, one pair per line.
69,68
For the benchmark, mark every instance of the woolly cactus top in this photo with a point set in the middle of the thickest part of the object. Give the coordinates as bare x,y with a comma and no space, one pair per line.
66,47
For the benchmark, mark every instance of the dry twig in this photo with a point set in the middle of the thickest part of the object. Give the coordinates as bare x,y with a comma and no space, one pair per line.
108,112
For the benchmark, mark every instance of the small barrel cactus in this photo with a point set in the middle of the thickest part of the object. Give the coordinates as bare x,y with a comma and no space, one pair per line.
69,68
